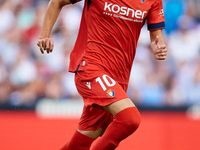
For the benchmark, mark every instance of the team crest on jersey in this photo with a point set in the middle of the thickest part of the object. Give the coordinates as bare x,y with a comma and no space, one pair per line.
110,93
142,1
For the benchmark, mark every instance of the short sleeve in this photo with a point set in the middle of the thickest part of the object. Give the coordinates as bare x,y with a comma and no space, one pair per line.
155,18
74,1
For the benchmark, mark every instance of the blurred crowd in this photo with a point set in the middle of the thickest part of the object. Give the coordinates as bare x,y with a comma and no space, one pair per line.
27,76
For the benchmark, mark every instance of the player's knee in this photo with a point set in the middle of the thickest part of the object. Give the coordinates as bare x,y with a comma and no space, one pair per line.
131,119
134,122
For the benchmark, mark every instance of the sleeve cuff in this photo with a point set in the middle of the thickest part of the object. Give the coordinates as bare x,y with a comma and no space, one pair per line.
156,26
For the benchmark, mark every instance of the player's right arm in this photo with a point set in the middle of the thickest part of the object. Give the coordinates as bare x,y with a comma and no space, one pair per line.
53,10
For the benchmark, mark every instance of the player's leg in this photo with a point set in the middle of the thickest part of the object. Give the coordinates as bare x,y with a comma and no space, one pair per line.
94,118
127,120
82,139
92,123
103,91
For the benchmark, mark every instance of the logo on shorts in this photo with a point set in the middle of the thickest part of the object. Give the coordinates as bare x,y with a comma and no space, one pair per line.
110,93
142,1
88,85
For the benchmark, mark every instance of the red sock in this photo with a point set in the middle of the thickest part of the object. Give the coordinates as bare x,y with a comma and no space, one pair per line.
125,123
79,141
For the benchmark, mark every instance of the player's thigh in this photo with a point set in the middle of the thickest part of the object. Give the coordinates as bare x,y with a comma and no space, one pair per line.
118,106
94,120
99,91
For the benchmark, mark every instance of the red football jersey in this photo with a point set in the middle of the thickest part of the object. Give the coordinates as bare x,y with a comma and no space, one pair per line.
109,32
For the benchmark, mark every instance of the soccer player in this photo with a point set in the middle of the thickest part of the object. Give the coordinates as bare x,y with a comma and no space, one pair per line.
101,60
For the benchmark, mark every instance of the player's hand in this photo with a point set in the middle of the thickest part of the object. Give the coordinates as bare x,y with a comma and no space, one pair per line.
46,44
159,49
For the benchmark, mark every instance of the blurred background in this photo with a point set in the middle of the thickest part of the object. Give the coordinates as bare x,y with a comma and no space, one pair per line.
32,81
27,76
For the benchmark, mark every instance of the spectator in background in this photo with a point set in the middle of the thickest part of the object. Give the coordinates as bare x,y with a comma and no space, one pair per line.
4,92
20,65
144,88
184,51
4,86
19,27
3,71
23,70
194,91
9,46
182,41
194,8
7,17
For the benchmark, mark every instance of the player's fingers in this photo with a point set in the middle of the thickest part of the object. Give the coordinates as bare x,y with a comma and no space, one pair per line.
43,44
161,57
47,43
162,54
51,44
158,51
40,46
164,51
162,46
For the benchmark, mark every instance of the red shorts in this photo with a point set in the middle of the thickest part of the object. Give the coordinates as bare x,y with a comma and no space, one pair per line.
97,89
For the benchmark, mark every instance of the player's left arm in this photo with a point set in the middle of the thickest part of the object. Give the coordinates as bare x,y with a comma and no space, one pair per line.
158,45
